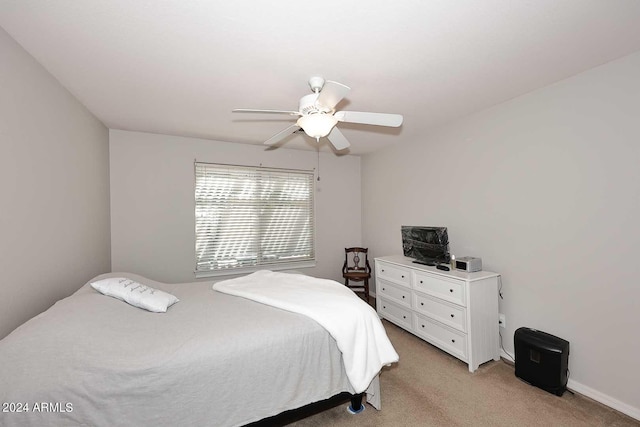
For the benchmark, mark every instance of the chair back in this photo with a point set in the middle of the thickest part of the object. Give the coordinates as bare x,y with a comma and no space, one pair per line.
356,261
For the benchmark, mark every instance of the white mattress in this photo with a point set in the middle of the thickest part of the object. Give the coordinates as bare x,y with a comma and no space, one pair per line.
211,359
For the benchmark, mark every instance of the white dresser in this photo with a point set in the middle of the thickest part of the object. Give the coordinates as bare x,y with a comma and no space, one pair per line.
453,310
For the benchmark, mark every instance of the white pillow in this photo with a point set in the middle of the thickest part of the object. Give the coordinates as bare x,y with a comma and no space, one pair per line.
135,293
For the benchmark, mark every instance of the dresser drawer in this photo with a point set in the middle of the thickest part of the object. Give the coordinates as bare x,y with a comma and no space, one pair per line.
396,293
448,289
447,339
391,273
449,314
395,313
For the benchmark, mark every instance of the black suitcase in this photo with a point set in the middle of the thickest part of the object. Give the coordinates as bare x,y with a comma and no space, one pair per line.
542,359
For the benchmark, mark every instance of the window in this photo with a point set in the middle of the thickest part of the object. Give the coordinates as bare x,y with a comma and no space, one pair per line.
251,217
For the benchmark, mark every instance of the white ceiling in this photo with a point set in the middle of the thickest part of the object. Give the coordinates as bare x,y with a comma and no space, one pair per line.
179,67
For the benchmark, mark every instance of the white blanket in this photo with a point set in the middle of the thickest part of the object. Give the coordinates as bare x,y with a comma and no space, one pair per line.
354,325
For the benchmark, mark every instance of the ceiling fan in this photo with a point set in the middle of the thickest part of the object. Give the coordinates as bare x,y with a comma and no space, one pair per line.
318,118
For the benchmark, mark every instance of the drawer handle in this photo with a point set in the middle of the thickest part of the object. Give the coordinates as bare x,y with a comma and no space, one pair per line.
402,296
421,281
423,326
452,315
453,340
451,290
404,317
403,276
421,303
382,270
384,289
384,306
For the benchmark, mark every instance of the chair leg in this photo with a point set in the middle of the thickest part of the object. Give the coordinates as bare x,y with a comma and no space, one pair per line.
366,290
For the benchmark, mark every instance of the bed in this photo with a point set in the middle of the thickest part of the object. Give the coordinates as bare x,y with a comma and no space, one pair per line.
211,359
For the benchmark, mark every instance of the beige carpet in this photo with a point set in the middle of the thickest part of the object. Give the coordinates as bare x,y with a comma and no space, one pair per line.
431,388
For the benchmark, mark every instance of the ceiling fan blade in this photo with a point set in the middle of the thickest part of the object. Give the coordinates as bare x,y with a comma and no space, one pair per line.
331,94
378,119
281,135
248,110
337,139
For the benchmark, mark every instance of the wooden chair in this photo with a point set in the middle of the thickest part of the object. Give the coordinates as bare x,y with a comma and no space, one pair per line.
356,268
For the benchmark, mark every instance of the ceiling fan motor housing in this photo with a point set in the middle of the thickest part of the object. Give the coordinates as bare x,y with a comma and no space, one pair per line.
307,105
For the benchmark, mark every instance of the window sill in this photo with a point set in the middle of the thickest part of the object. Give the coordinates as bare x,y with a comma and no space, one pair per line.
248,270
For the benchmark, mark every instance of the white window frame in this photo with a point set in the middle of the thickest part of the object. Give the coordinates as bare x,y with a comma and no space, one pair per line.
262,177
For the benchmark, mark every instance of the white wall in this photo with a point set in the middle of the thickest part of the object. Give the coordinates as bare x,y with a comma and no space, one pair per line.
152,201
546,190
54,190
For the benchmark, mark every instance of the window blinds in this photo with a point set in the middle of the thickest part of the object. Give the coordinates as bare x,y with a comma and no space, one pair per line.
248,216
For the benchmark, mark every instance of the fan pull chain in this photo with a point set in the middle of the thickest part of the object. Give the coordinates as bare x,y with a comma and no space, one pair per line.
318,150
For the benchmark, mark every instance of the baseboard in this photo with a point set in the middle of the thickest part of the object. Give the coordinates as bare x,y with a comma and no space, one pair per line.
591,393
604,399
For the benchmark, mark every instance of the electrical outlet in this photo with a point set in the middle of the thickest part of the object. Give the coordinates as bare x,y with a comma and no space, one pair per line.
502,320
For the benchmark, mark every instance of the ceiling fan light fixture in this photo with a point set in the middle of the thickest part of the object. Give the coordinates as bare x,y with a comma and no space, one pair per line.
317,125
